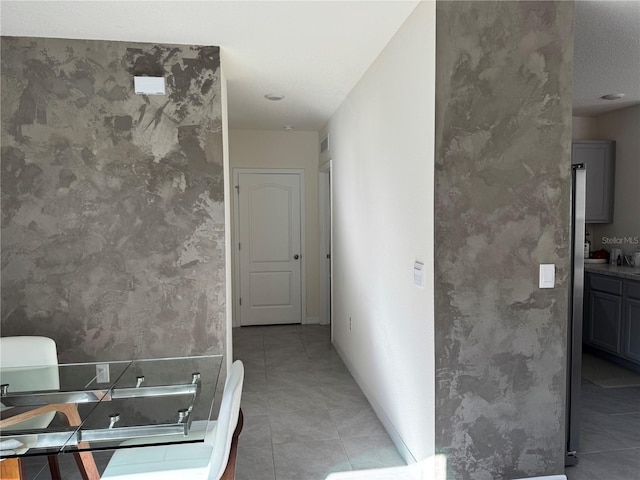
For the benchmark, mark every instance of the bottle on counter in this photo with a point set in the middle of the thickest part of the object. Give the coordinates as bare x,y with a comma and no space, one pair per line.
587,246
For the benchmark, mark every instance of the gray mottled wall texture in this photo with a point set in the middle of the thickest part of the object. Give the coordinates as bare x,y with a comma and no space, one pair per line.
112,202
503,115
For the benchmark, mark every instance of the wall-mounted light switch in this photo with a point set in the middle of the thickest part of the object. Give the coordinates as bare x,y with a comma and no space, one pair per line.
547,275
102,373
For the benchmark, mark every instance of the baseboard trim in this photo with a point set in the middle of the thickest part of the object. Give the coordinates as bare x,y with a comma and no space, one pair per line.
377,408
312,321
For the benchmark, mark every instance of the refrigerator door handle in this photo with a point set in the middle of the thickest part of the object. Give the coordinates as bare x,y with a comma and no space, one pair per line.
574,347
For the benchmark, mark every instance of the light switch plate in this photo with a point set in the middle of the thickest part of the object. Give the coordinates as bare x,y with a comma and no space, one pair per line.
547,275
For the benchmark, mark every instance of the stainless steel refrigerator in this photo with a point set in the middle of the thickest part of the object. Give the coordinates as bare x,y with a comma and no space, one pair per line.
574,347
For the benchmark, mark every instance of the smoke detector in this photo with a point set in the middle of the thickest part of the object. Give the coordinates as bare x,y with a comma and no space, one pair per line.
613,96
274,97
288,128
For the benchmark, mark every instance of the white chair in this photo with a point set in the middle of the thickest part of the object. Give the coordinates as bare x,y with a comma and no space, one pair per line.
207,460
28,351
18,352
30,363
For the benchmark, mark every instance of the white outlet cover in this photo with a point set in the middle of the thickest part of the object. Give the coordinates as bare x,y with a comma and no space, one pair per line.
102,373
418,274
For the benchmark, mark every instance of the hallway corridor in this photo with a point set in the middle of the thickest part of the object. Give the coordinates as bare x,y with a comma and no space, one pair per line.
304,415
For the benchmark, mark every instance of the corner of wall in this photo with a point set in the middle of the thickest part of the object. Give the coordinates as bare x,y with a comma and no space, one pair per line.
227,217
584,128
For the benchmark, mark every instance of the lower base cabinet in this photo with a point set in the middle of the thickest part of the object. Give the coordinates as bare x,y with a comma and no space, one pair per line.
605,319
631,346
612,316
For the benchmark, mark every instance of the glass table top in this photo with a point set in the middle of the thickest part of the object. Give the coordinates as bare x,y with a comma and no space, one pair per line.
106,405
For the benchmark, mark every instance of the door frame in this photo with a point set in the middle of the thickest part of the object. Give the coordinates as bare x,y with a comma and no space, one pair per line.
237,321
325,212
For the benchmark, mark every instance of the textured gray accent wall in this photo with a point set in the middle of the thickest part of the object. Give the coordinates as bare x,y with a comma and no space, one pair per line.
503,140
112,202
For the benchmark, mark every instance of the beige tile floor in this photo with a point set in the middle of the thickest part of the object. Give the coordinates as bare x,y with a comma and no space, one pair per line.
305,416
609,434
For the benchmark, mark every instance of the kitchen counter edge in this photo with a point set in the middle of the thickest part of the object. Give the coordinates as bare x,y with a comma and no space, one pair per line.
614,271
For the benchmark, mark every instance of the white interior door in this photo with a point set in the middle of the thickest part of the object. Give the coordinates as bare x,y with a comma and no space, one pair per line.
269,249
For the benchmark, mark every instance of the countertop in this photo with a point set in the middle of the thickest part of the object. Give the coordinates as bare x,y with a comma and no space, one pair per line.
613,270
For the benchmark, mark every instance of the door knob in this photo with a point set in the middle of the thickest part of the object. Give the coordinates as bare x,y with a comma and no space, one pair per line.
296,256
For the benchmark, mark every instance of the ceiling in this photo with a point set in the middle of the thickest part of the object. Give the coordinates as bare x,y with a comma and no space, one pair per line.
606,55
314,52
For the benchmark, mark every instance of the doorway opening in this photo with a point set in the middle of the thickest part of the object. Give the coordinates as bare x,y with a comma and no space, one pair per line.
324,191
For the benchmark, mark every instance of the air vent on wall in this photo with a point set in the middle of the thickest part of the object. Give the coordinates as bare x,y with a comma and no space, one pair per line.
324,144
149,85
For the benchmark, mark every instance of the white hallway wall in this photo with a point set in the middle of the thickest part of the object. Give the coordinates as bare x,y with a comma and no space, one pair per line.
382,147
274,149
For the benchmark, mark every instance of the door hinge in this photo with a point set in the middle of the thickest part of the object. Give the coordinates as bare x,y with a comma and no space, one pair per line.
239,246
238,189
240,301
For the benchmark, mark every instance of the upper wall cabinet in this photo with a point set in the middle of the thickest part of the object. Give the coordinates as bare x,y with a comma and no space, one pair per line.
598,158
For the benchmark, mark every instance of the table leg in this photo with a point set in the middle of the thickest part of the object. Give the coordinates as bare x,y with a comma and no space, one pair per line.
12,469
84,460
54,467
87,466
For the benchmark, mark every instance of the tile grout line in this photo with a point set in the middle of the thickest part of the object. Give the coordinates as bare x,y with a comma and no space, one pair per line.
273,452
346,455
266,381
344,450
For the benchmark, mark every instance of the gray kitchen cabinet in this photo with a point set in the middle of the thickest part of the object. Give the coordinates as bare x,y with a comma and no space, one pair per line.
598,157
631,346
605,312
612,316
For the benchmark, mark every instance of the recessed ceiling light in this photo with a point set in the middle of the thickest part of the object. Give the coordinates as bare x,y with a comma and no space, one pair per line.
288,128
273,97
613,96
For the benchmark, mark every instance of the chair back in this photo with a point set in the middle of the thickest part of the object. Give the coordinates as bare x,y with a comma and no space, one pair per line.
222,435
27,351
23,365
